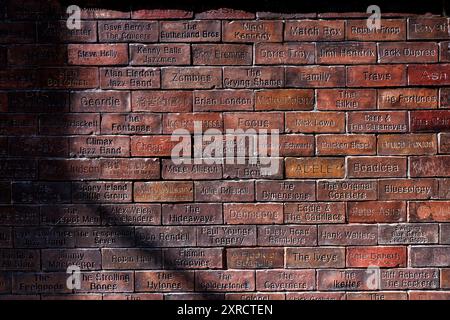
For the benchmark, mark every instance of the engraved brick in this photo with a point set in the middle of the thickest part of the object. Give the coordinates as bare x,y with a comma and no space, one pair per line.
160,54
18,124
18,169
429,295
311,122
190,31
343,280
391,30
131,123
186,121
193,296
407,144
309,168
39,237
163,191
38,146
409,279
253,77
252,31
286,53
307,258
126,259
429,211
377,296
225,281
408,52
315,296
68,124
376,256
255,213
428,28
107,281
426,166
70,215
69,169
130,78
374,167
224,13
36,283
192,214
60,260
40,55
101,237
254,168
346,53
191,78
346,99
284,99
357,235
130,214
376,211
94,192
408,98
345,144
99,146
315,76
303,236
429,74
430,256
37,101
223,100
407,189
444,142
221,191
18,78
203,171
226,236
19,260
222,54
430,121
161,14
102,13
378,121
288,190
257,121
411,233
255,258
119,169
293,145
128,31
314,213
97,54
376,76
255,296
157,146
193,258
285,280
57,32
162,101
68,78
40,192
133,296
314,30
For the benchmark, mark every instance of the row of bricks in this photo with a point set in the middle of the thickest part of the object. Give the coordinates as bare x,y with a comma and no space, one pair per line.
226,77
217,213
231,258
228,281
246,31
224,100
287,146
231,123
226,54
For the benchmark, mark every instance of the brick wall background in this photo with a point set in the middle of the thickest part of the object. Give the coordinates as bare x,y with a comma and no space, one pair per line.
86,177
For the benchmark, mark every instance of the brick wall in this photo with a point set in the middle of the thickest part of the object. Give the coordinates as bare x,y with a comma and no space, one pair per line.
86,176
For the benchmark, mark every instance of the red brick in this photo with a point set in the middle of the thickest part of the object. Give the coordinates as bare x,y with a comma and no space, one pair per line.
307,258
133,296
163,191
120,169
346,99
192,214
407,144
128,31
315,296
315,76
70,215
103,13
407,189
19,260
444,142
375,167
223,100
61,259
252,31
444,233
429,211
429,74
39,237
445,278
99,146
376,76
314,213
225,281
161,14
429,295
444,51
193,258
376,211
255,258
356,235
69,78
224,13
131,123
430,256
68,124
286,53
294,145
100,101
343,280
220,191
430,121
100,237
302,236
257,213
345,144
411,233
226,236
377,296
319,168
347,190
190,31
191,78
130,214
312,122
255,296
160,54
125,259
203,171
284,99
107,281
106,192
57,32
426,166
285,191
376,256
130,78
186,121
162,101
38,146
40,55
253,77
194,296
408,98
285,280
377,121
444,188
408,52
254,168
346,53
428,28
256,121
97,54
314,30
391,30
154,146
37,283
222,54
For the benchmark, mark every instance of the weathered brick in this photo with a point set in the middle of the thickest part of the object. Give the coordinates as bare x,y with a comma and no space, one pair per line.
377,121
131,123
285,280
445,278
255,258
357,235
408,52
294,145
107,281
192,214
254,296
444,55
428,28
128,31
430,121
228,236
119,169
70,215
376,76
38,146
253,77
427,166
430,256
163,191
315,296
125,259
346,99
60,260
257,213
5,282
376,211
37,283
221,191
444,143
408,98
156,146
193,258
97,146
252,31
429,295
190,31
37,101
335,145
130,78
225,281
409,279
314,30
57,32
19,215
444,233
161,14
170,170
391,30
97,54
69,169
429,74
407,144
222,54
175,122
224,13
389,257
133,296
40,192
254,168
307,258
285,191
287,236
23,78
130,214
18,124
314,213
37,55
312,122
68,78
191,78
346,52
315,76
444,188
286,53
19,260
41,237
223,100
160,54
411,233
407,189
429,211
376,167
104,237
284,99
377,296
343,280
256,121
68,124
161,101
319,167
